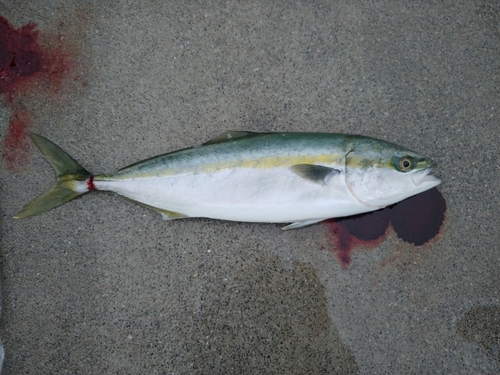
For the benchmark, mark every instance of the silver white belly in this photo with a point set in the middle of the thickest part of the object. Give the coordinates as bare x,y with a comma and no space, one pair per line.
244,194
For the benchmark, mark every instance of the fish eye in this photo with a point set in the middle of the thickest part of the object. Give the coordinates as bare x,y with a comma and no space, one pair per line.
405,164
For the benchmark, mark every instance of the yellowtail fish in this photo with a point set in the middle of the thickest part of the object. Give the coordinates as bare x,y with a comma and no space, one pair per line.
297,178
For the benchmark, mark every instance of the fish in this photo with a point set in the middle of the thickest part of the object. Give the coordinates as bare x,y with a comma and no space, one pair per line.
295,178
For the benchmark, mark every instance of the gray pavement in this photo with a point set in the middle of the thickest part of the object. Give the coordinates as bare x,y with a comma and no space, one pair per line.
104,286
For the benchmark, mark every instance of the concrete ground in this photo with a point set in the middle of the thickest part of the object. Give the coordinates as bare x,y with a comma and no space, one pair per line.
104,286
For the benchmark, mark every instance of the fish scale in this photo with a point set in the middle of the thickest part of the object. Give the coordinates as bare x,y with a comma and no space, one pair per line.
298,178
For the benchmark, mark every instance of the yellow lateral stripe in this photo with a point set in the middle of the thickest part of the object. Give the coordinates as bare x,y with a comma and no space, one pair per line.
283,161
264,163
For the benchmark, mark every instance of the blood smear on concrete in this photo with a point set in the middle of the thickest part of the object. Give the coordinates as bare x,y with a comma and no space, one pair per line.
415,220
26,67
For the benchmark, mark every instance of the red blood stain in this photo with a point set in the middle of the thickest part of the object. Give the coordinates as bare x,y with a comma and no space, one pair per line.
20,55
24,64
15,142
359,230
90,183
415,220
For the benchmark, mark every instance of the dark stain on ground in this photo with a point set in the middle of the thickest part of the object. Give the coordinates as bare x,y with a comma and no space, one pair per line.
418,219
415,220
481,325
266,319
27,66
359,230
21,56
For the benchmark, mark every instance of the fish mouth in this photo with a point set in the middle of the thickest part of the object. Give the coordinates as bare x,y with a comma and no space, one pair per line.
425,176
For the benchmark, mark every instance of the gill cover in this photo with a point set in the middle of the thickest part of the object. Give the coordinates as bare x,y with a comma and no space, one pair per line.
384,174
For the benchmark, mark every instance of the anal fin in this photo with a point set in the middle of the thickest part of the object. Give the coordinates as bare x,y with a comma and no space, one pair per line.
165,214
170,215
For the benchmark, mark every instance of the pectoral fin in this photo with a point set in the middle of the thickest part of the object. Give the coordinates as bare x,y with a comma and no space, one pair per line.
315,173
300,224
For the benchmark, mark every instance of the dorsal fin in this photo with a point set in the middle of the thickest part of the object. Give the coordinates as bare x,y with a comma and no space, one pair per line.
228,136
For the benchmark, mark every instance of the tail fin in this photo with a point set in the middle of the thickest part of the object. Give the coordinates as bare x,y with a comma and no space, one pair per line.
70,183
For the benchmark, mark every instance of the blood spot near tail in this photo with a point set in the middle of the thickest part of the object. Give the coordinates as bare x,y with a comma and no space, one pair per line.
90,183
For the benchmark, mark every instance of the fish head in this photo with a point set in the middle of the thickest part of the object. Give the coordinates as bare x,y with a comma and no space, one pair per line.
379,173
